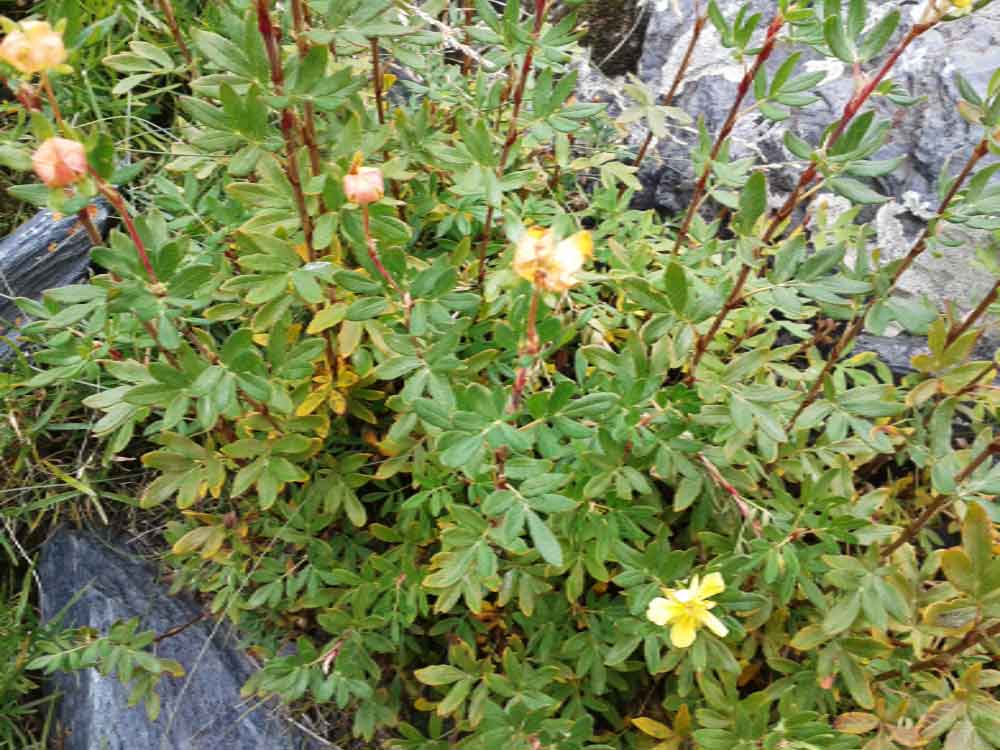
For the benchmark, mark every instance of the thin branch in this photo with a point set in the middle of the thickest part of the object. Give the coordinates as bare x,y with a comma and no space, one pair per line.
512,131
727,127
858,322
910,532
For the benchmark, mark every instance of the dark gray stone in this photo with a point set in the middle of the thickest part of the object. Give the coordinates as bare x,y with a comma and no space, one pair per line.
43,254
201,711
897,351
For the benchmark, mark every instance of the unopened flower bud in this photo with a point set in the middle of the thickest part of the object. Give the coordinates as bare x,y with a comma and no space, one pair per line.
364,185
35,48
60,162
548,264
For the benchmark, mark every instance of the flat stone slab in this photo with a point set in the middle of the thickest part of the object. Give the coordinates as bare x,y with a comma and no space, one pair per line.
201,711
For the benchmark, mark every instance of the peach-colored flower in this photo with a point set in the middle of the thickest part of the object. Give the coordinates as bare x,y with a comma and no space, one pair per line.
34,48
60,162
551,265
364,185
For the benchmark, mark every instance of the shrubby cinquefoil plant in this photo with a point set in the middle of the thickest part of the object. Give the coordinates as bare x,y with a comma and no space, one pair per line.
509,463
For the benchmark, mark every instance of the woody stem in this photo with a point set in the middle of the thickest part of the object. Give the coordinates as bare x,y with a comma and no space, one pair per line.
512,130
51,96
531,348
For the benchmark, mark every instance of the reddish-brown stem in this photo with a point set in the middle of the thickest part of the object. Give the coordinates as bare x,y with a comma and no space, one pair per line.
269,35
972,638
858,322
51,96
168,12
288,128
512,131
805,180
308,110
851,109
377,261
116,200
910,532
668,98
727,127
377,76
721,483
531,348
973,316
178,629
289,122
84,216
972,384
467,61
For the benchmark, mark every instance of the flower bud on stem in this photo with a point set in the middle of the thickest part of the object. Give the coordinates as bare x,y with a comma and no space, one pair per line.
380,267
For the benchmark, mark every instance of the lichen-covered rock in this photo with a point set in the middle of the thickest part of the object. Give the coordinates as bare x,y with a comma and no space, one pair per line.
201,711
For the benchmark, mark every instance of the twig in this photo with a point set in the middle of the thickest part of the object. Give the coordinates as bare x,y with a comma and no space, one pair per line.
289,122
168,11
971,639
955,333
807,177
727,127
668,99
858,322
911,531
512,131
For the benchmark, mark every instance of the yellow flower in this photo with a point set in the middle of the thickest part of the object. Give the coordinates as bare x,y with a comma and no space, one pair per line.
551,265
686,610
34,48
962,4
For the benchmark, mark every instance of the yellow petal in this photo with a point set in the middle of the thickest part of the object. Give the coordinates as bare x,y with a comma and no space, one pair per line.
715,624
712,585
683,633
659,611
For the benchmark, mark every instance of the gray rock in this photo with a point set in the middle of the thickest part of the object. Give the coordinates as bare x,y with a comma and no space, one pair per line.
201,711
42,254
897,351
931,133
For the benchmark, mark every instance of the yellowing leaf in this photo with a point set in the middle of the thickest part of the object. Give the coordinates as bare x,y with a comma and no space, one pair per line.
193,540
856,722
653,728
327,317
337,402
311,402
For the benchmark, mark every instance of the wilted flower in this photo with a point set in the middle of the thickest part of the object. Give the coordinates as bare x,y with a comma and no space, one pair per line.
364,185
60,162
549,264
686,610
34,48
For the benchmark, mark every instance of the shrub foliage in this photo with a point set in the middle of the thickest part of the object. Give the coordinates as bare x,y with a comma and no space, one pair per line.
457,486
